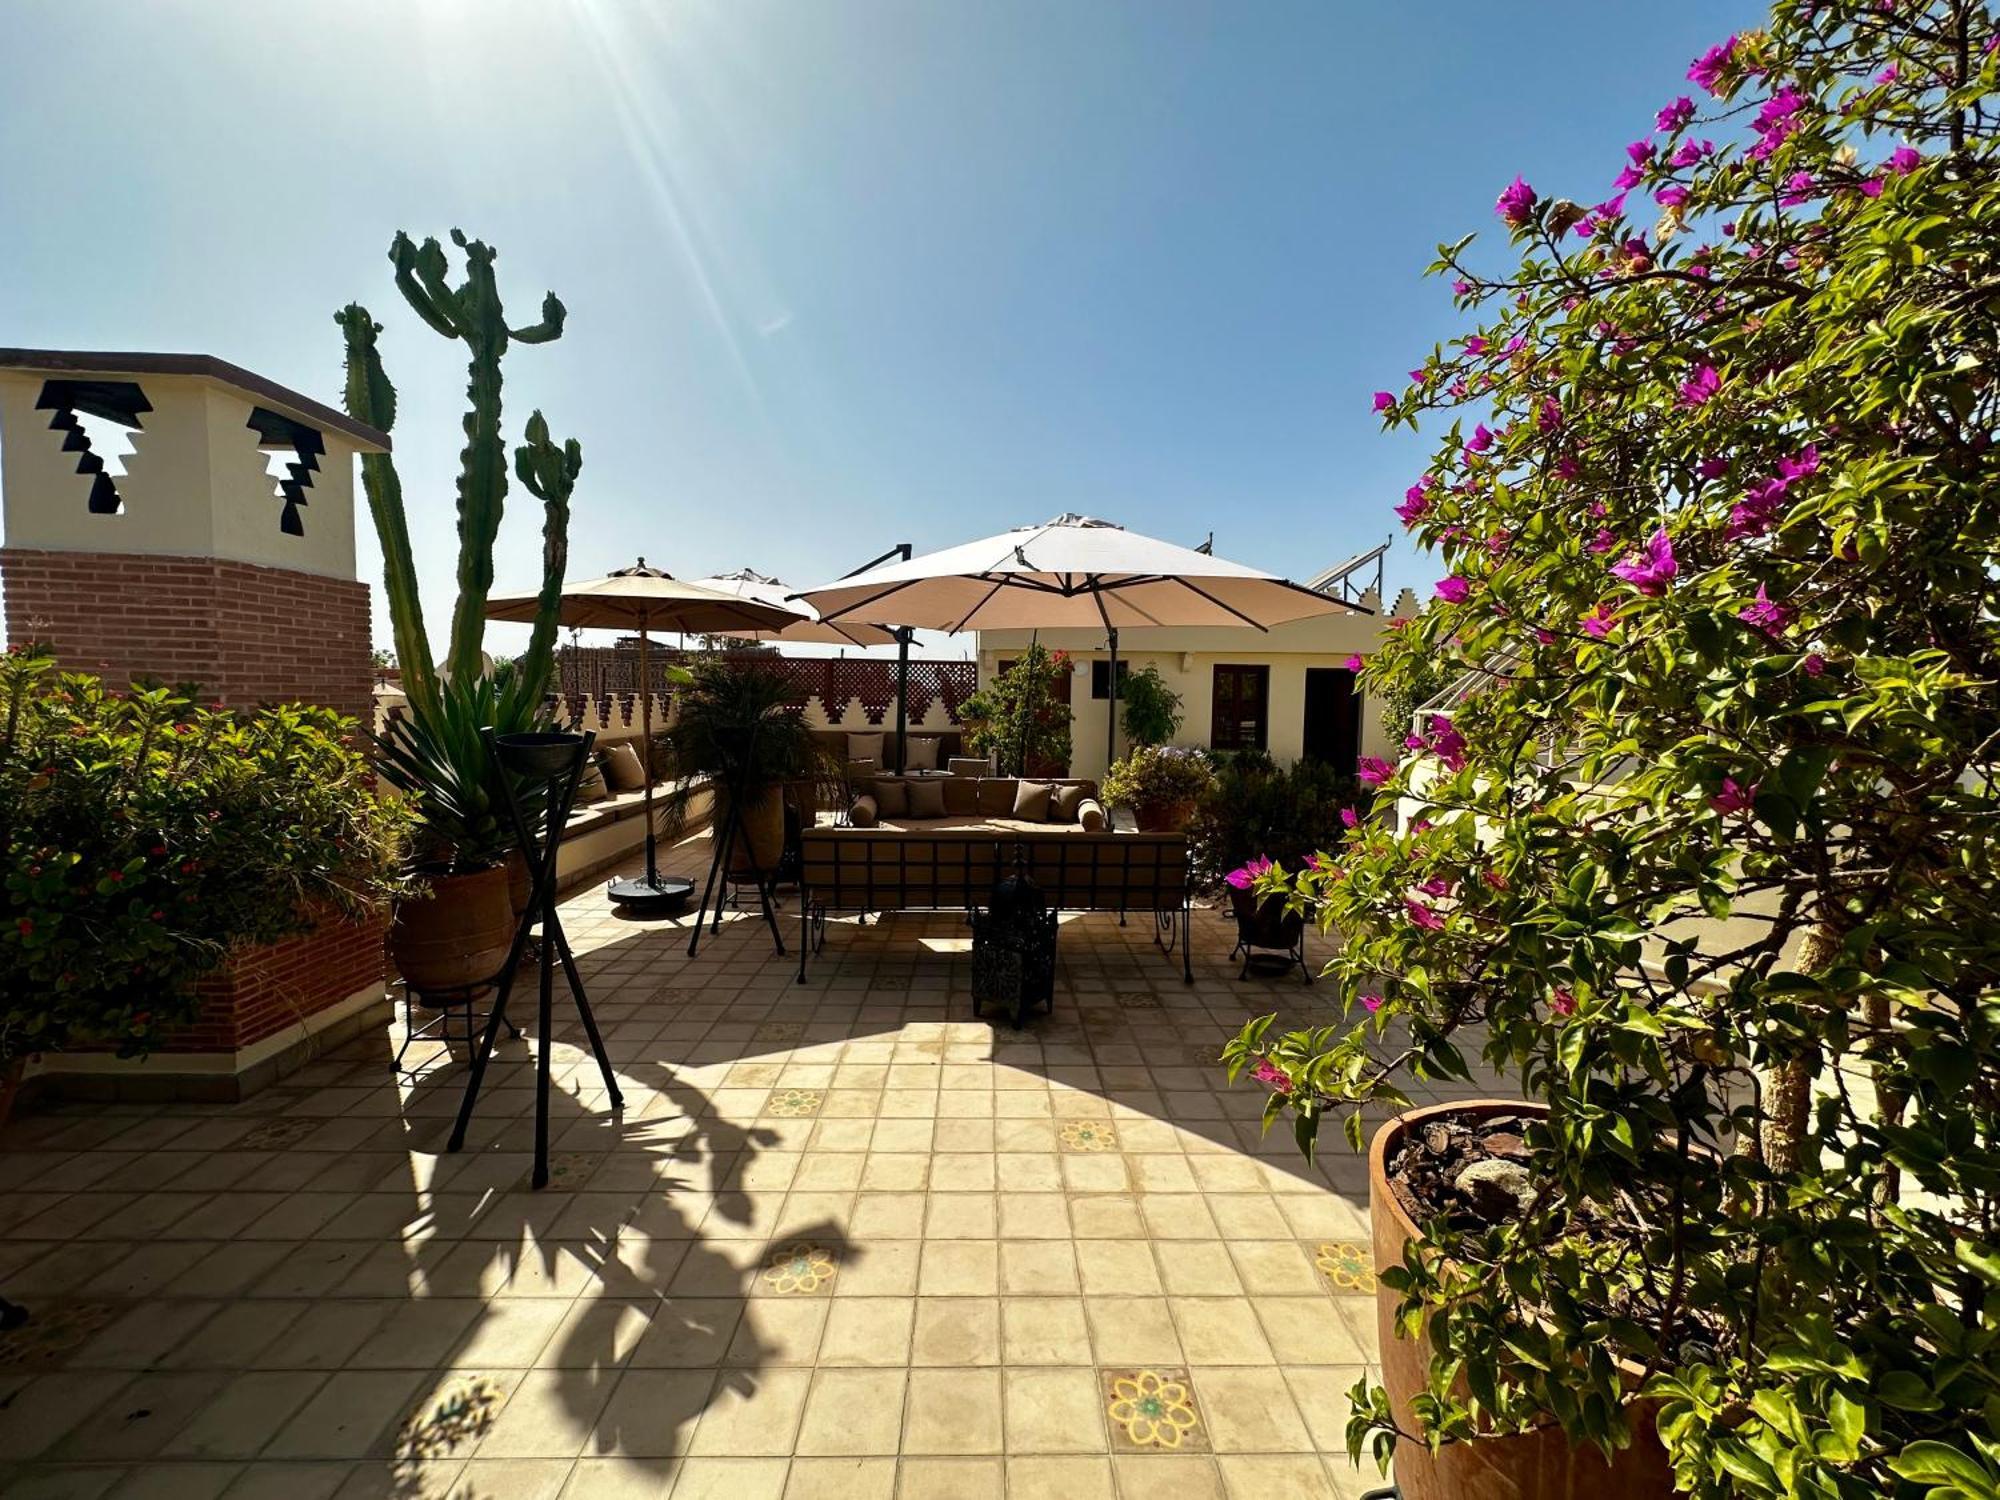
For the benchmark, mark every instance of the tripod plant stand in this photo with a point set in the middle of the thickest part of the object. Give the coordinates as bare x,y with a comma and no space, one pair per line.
718,865
559,760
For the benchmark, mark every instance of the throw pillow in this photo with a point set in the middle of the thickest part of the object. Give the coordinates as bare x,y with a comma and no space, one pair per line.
863,814
961,796
996,796
865,747
892,797
591,788
1065,803
926,796
1031,801
920,753
969,765
622,771
1090,814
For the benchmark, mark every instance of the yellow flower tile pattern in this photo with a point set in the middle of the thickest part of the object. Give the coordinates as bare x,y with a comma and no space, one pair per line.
460,1412
1153,1409
570,1170
793,1103
278,1135
1088,1135
53,1332
1347,1267
799,1269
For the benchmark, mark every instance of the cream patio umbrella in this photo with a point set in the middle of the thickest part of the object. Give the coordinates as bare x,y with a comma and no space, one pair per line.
806,627
1072,571
645,599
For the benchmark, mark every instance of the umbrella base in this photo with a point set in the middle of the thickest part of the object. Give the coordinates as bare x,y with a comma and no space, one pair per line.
662,893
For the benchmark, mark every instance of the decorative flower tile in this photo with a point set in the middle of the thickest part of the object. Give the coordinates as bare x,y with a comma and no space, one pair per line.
1202,1055
800,1268
792,1103
460,1412
780,1031
53,1332
1138,1000
1347,1268
570,1170
1152,1411
1088,1135
278,1135
890,984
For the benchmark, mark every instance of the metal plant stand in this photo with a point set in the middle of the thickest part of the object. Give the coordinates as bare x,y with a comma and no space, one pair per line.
559,759
716,886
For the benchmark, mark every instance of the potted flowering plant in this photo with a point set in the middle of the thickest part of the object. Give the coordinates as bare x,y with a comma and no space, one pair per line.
1161,784
1265,919
1707,857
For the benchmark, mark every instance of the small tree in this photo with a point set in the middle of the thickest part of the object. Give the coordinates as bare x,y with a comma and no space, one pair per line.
1710,861
1022,717
1152,709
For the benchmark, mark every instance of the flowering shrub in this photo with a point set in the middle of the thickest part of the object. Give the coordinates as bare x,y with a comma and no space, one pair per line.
1159,776
1022,717
1709,861
141,836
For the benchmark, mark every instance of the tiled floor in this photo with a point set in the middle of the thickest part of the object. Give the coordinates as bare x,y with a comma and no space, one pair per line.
845,1240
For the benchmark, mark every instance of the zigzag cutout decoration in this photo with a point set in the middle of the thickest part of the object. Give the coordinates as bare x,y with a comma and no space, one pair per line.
307,443
118,401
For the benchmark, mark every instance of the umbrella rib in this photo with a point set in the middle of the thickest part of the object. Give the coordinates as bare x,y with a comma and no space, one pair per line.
1001,584
830,616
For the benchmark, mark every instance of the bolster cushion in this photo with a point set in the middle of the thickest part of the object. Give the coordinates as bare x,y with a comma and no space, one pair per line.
864,813
1090,813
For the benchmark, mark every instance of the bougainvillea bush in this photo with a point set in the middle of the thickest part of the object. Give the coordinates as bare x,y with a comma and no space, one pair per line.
142,836
1704,857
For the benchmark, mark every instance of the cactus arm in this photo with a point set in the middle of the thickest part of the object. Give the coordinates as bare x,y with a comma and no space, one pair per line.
420,278
548,473
370,398
482,478
549,329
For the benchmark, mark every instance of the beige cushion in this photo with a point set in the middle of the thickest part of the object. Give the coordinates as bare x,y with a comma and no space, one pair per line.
865,747
861,770
591,788
892,797
996,796
969,765
1090,814
622,771
920,753
1065,802
961,795
926,797
864,813
1031,801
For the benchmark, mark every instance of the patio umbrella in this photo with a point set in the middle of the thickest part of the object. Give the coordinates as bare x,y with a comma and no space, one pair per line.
1074,570
645,599
807,627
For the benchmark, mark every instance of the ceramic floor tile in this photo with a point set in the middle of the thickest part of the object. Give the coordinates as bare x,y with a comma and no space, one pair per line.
1053,1411
953,1411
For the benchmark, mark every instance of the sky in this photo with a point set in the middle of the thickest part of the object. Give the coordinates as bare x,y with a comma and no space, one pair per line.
839,273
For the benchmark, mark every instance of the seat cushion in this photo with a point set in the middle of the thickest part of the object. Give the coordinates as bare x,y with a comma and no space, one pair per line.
925,797
961,796
996,796
622,771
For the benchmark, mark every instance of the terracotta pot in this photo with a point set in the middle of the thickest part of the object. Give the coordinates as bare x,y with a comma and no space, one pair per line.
1537,1465
520,884
1163,817
1265,924
761,833
456,933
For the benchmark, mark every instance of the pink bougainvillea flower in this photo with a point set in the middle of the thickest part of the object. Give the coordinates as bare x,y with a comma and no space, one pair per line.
1446,743
1416,500
1888,74
1436,886
1706,71
1494,879
1699,388
1597,624
1516,203
1650,571
1550,417
1481,439
1475,345
1734,797
1627,179
1690,152
1453,590
1671,197
1460,288
1562,1002
1806,462
1354,663
1776,122
1904,160
1269,1073
1676,115
1814,665
1766,614
1568,468
1246,876
1712,468
1604,541
1422,915
1639,153
1373,770
1384,401
1349,818
1371,1003
1799,188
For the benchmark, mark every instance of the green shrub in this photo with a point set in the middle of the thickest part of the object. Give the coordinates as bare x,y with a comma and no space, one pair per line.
1152,709
143,836
1159,776
1257,808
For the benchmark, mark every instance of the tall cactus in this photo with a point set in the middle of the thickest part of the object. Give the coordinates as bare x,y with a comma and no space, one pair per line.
549,474
471,312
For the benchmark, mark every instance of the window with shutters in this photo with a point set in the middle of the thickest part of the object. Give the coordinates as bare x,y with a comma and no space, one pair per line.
1241,720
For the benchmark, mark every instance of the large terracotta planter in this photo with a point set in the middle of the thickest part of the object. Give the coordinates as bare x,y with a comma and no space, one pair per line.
1163,817
1528,1466
456,933
760,835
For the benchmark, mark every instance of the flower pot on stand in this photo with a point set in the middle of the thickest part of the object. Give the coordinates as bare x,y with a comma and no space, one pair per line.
760,832
1267,933
1539,1464
1163,817
456,932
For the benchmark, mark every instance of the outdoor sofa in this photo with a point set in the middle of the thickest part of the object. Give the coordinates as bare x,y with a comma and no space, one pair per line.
950,859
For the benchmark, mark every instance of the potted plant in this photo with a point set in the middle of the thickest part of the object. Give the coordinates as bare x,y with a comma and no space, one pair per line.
1161,784
737,730
1705,860
144,838
455,929
1265,921
1022,718
1152,710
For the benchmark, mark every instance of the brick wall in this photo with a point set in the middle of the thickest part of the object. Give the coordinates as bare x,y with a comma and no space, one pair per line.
265,990
246,634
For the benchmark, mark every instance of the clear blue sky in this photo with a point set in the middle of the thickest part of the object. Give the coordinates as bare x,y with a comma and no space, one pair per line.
840,273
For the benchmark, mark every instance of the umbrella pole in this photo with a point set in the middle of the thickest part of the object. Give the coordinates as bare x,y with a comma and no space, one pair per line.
902,693
1111,706
646,736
